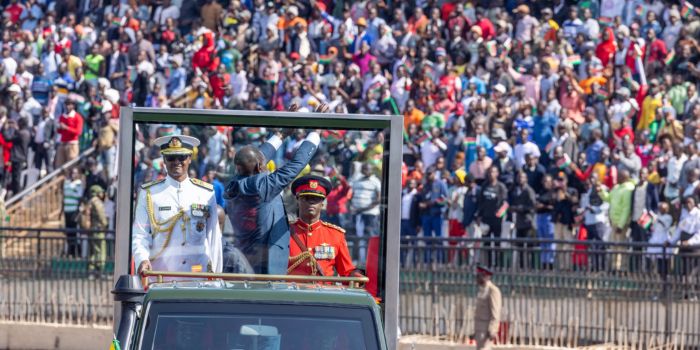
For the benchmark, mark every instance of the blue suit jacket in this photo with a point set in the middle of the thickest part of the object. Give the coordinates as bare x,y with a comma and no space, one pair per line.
257,214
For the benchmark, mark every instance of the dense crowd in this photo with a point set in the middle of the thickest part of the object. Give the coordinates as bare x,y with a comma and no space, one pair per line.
548,119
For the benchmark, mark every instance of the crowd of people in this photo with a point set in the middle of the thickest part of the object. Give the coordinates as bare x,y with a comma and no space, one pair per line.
567,120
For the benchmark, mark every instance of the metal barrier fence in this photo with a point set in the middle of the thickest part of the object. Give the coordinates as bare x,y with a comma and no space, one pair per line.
555,292
54,276
563,293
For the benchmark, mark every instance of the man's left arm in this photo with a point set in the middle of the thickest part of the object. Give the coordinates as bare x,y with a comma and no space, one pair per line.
214,237
495,309
272,184
270,147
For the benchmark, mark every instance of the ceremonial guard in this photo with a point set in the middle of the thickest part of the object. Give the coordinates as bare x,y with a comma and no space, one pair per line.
176,224
317,247
487,313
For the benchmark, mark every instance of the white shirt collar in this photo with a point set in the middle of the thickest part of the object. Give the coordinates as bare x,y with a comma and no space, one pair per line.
172,182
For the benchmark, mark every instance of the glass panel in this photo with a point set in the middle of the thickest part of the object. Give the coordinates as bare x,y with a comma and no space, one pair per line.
253,206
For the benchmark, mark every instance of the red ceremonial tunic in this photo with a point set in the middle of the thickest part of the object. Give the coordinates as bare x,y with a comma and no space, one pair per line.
326,243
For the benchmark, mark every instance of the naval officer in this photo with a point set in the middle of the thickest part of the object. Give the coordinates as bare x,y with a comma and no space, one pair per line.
176,224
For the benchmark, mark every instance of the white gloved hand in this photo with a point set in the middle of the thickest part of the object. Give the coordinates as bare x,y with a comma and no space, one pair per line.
314,138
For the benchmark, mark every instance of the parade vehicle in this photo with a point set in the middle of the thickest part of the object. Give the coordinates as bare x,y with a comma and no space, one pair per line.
207,310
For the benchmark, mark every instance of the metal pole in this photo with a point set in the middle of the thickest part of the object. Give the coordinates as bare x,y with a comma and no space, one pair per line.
38,243
668,296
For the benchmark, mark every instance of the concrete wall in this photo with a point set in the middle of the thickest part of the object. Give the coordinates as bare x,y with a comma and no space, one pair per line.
420,342
33,336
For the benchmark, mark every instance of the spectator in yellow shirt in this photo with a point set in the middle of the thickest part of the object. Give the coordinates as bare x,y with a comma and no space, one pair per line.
650,105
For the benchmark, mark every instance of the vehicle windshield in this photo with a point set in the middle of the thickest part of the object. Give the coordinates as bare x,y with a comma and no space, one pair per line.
213,326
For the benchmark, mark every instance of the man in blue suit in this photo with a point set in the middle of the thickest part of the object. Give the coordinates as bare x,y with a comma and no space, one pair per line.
255,207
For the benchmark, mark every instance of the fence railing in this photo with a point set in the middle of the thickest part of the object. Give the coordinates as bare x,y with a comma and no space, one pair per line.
591,292
42,201
563,293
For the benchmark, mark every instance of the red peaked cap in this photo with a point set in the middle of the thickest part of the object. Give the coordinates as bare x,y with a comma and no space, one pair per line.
311,185
483,269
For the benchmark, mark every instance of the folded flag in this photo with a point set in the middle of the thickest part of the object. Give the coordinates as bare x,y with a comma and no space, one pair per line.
563,162
502,210
115,345
687,9
469,141
329,58
548,148
573,60
602,94
645,220
491,48
607,21
508,44
670,57
424,138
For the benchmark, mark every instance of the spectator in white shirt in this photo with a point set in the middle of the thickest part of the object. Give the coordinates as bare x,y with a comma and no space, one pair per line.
688,236
432,148
523,148
165,11
239,83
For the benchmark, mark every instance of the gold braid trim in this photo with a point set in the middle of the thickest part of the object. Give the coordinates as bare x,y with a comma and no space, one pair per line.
297,260
166,226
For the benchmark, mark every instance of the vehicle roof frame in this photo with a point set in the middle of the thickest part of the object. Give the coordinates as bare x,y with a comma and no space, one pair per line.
131,115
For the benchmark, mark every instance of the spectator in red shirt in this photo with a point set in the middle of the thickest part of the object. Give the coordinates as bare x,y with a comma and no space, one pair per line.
217,81
70,126
606,49
487,29
5,167
655,54
205,59
14,11
337,200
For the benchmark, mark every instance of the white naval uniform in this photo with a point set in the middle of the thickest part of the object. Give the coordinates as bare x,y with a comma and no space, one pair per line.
189,251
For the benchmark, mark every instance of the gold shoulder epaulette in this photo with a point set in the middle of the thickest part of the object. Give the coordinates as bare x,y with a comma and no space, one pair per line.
149,184
205,185
328,224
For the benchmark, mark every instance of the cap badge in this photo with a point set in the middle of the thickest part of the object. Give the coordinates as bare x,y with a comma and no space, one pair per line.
313,184
175,143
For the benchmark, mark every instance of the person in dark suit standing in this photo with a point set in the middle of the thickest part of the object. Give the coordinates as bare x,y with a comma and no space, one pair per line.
17,132
492,207
117,65
522,203
255,207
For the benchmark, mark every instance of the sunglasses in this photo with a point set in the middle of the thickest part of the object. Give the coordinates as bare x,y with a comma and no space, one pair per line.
176,158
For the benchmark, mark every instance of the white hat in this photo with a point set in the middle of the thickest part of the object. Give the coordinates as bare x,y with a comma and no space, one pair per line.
293,10
14,88
500,88
501,147
176,144
104,83
176,59
112,96
106,106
